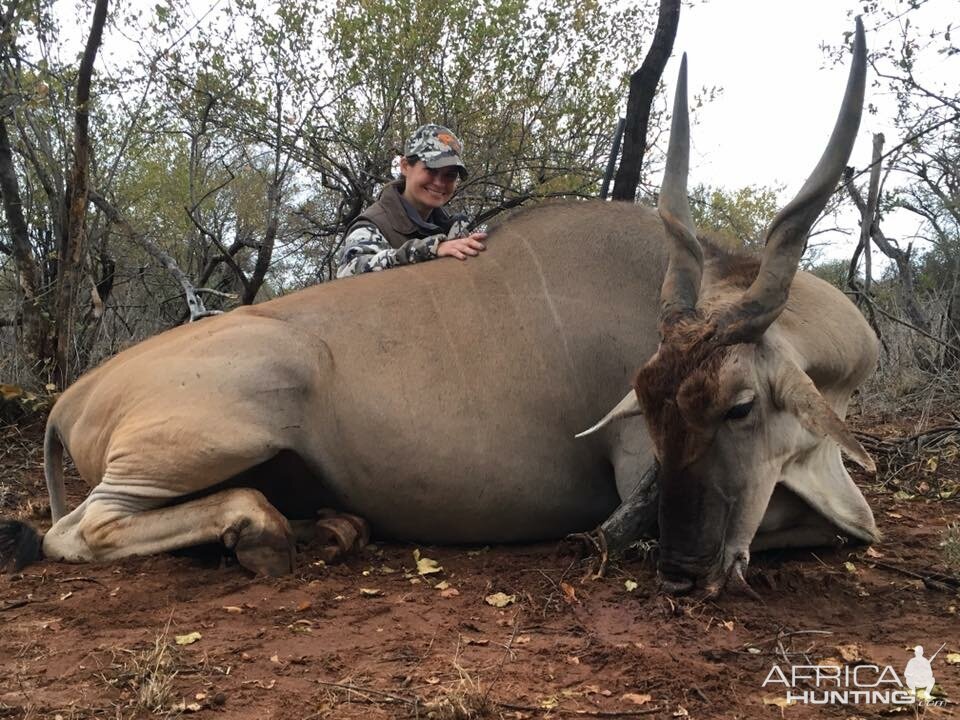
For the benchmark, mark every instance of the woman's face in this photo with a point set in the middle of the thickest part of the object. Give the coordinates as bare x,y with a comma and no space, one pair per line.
427,188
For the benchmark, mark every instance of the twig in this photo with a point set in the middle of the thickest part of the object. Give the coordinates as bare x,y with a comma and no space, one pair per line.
585,713
508,652
861,295
805,632
80,579
935,578
15,604
390,697
783,653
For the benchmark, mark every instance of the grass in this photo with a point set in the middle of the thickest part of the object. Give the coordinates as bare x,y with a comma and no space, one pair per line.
149,674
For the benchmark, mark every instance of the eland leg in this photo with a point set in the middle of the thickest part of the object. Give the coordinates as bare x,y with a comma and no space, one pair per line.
110,525
790,523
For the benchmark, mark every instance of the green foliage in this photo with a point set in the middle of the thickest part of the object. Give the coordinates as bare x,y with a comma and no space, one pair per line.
734,218
833,271
249,132
531,87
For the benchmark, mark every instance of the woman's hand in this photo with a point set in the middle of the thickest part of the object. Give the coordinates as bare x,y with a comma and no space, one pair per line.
463,247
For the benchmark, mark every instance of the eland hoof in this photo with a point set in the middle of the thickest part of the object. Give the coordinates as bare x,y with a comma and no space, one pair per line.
340,533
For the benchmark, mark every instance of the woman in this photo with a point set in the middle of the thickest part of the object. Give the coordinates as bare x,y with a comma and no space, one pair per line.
408,223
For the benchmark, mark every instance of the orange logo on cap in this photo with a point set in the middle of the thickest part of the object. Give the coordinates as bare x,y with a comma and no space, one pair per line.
450,140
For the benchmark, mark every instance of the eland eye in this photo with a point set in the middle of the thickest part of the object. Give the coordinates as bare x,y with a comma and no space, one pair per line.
738,412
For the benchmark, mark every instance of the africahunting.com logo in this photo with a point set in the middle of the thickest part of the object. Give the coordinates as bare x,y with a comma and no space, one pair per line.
860,684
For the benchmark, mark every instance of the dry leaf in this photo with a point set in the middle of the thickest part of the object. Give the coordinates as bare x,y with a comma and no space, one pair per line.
500,599
780,702
260,684
433,680
873,553
630,585
637,698
522,640
275,659
728,624
953,658
569,594
573,659
304,605
754,651
184,706
549,703
371,592
233,609
449,593
442,585
476,641
188,639
851,568
681,711
849,652
425,565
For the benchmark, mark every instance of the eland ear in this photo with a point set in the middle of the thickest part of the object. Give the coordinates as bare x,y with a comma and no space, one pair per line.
797,394
628,407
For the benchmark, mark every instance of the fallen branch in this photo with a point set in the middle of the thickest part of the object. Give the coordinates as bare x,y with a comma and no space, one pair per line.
388,697
15,604
586,713
936,581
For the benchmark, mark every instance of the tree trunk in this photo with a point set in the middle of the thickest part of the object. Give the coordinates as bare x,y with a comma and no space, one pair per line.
265,250
869,213
643,88
907,285
951,325
72,250
34,328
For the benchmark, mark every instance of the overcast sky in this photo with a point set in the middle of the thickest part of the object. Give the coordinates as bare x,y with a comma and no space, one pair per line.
780,93
779,99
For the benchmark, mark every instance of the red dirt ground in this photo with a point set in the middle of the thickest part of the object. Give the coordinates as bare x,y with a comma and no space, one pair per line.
79,641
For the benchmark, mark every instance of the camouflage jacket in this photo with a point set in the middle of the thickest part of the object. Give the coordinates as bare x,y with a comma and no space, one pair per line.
391,233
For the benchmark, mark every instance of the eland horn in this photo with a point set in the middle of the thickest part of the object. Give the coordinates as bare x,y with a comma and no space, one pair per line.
681,284
765,299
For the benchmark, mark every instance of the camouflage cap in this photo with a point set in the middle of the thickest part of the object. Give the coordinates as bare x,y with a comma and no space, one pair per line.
437,146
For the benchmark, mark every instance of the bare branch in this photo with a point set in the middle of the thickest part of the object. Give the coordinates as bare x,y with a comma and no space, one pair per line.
194,303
